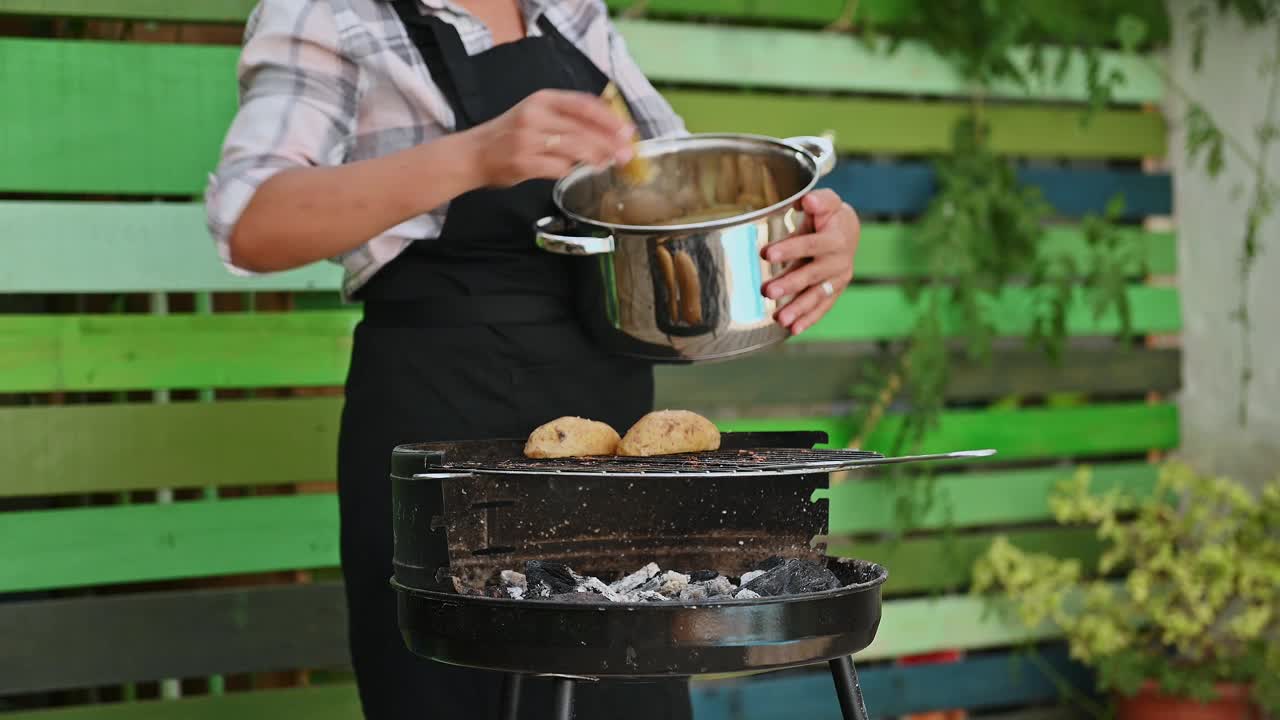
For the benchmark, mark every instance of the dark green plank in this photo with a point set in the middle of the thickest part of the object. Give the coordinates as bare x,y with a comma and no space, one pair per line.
946,563
95,641
807,375
337,702
70,449
1016,434
101,352
969,499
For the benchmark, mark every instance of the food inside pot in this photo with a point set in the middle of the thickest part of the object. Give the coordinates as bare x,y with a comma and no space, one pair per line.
678,190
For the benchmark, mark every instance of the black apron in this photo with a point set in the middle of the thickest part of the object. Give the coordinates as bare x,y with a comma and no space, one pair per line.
467,336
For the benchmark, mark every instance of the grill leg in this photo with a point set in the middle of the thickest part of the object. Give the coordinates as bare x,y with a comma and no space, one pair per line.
564,699
511,696
847,688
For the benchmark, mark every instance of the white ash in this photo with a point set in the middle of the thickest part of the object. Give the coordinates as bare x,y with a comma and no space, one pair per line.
558,582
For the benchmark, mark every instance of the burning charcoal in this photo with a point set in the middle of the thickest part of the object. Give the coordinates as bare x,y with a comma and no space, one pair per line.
672,583
596,585
771,563
702,575
511,578
576,597
516,592
747,595
635,579
748,577
794,577
556,576
719,586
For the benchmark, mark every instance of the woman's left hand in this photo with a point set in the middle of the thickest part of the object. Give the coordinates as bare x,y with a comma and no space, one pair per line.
823,251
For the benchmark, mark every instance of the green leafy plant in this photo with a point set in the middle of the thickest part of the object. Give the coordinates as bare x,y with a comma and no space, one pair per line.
1200,602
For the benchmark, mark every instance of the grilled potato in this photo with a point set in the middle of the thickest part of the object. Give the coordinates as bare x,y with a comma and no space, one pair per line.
669,432
571,437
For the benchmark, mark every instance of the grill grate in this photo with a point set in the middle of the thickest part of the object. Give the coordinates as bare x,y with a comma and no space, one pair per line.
719,463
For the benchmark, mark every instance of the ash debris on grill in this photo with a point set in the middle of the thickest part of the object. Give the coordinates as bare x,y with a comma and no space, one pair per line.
557,582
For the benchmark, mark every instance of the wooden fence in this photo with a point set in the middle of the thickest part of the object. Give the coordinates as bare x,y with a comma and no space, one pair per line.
168,430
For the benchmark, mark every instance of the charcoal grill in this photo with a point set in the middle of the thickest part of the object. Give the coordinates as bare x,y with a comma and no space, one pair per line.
464,511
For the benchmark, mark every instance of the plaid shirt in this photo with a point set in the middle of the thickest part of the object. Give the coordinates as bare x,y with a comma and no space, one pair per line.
327,82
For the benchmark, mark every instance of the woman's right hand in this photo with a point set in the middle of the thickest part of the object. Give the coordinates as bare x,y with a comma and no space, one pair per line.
546,135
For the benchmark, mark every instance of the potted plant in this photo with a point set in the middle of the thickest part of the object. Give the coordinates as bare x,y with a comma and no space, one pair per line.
1192,628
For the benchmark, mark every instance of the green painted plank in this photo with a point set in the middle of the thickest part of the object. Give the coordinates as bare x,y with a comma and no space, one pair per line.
98,448
77,115
688,53
215,11
130,247
904,126
1017,434
177,101
135,446
129,543
946,563
336,702
883,311
138,543
99,352
970,499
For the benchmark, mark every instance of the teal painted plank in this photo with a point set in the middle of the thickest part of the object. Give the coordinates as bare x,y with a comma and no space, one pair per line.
338,702
127,247
140,247
128,543
1017,434
977,499
134,246
689,53
83,352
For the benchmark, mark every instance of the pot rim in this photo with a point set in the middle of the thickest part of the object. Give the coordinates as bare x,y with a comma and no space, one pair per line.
806,158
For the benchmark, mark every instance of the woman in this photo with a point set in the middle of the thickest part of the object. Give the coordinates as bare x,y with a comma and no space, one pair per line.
415,141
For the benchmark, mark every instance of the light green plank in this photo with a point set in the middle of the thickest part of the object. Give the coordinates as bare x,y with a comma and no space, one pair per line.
96,448
909,627
140,247
99,352
229,11
177,101
939,563
337,702
904,126
971,499
1017,434
129,543
127,247
682,52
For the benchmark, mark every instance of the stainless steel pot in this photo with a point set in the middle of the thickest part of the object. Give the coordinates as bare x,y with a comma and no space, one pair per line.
671,271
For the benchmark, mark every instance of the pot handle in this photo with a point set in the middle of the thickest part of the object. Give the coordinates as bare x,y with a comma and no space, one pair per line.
550,234
821,149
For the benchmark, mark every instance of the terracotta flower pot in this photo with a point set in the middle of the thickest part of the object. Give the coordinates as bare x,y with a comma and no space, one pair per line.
1233,703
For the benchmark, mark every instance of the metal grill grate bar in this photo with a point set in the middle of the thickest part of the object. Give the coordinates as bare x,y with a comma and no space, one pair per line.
724,462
